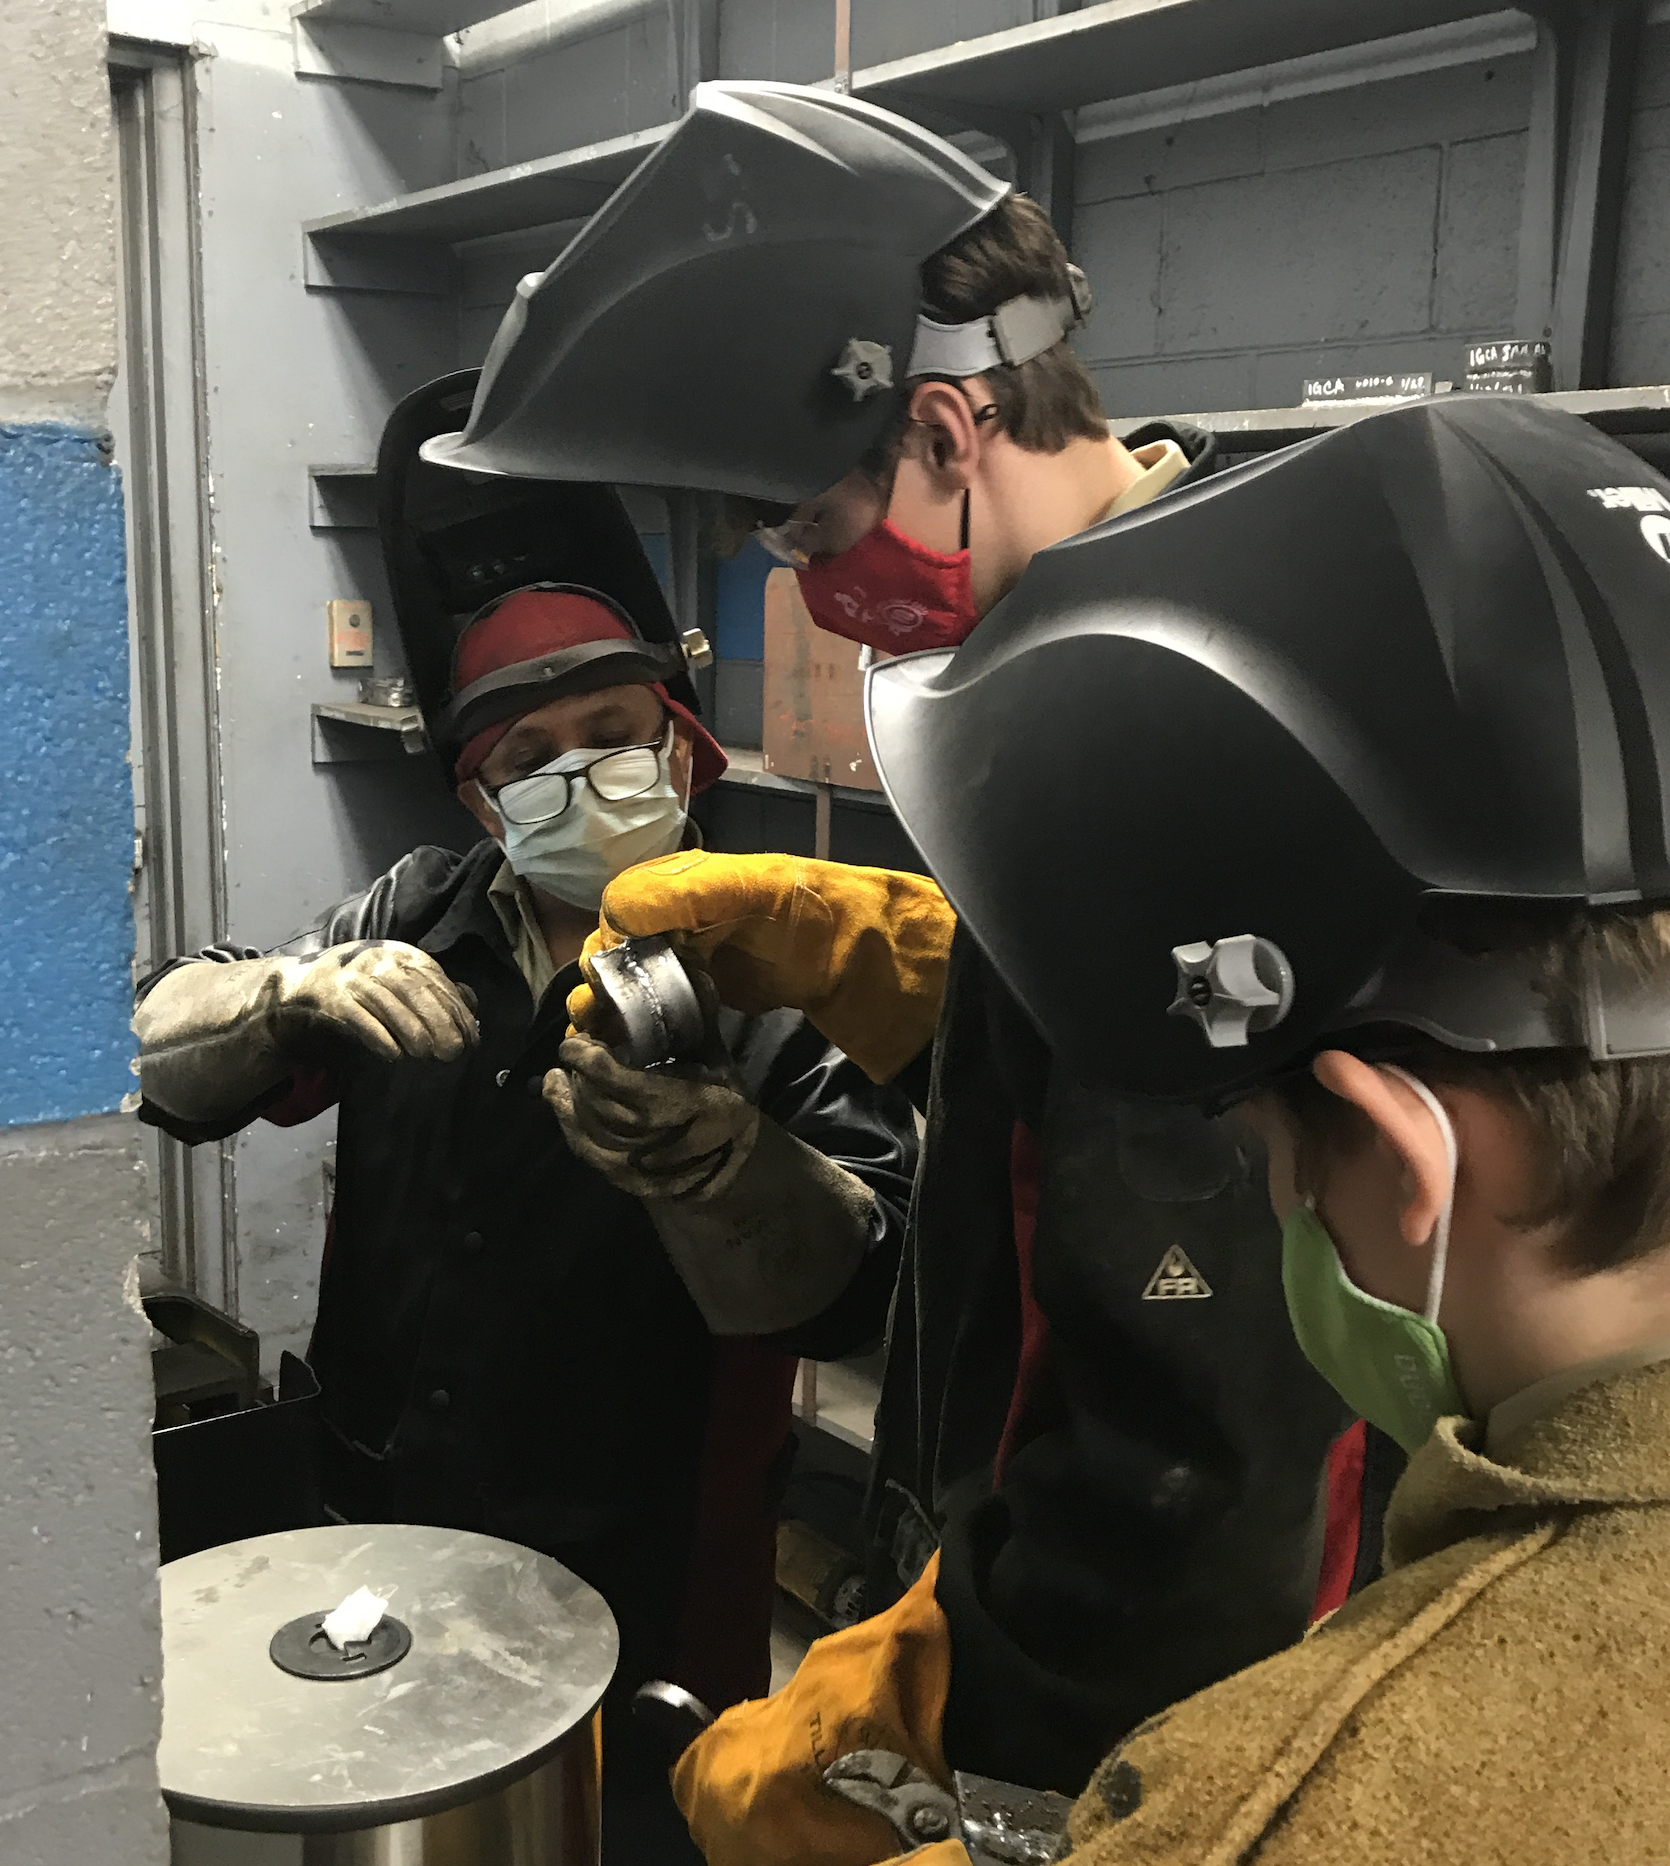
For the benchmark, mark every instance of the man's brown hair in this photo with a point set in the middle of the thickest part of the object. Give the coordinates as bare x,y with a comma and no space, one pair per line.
1600,1132
1014,252
1043,404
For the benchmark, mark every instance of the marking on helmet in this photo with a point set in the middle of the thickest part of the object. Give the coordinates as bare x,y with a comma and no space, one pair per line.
1656,531
1631,498
1176,1280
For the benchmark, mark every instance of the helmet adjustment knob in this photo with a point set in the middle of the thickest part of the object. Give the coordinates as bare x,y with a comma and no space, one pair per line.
866,368
1232,988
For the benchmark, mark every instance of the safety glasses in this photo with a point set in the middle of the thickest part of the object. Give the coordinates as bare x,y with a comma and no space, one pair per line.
546,793
793,542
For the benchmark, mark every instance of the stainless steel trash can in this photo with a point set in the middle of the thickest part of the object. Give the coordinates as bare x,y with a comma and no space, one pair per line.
464,1732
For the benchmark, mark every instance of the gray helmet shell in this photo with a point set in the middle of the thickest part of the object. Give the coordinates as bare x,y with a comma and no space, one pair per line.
734,317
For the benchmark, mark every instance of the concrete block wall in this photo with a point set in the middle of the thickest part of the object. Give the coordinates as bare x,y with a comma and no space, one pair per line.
79,1624
1641,312
1362,229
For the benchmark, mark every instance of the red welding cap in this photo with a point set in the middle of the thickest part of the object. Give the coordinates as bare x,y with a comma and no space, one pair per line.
542,644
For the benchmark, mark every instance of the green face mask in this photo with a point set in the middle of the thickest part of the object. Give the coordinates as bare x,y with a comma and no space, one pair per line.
1388,1364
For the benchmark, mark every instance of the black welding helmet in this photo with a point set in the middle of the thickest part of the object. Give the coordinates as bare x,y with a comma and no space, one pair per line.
736,316
456,543
1191,782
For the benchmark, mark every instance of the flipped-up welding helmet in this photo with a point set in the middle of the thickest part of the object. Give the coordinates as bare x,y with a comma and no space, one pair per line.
1191,782
738,316
455,544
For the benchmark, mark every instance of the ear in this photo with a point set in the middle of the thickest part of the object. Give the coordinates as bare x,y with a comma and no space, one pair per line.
944,436
480,806
1405,1126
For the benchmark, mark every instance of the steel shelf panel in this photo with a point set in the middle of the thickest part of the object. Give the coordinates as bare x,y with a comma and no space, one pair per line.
568,186
1121,48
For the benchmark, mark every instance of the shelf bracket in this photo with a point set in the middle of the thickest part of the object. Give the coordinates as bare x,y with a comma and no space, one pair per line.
1583,89
1047,169
378,262
342,498
695,24
328,48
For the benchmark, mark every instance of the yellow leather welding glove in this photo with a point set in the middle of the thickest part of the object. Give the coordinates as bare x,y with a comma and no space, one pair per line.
751,1786
861,952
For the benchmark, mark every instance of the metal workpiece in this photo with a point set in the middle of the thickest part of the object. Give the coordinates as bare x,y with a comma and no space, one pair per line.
673,1716
490,1711
1005,1824
646,984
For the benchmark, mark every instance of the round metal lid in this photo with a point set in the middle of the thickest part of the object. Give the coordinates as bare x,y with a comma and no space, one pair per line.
510,1652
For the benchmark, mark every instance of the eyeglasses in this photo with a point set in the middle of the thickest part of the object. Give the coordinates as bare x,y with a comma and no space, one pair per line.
793,542
546,793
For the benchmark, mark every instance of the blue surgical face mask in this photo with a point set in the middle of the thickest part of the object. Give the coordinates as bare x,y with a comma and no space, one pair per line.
575,855
1390,1365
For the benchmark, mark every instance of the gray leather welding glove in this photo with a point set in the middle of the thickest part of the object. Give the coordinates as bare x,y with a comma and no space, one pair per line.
215,1038
764,1231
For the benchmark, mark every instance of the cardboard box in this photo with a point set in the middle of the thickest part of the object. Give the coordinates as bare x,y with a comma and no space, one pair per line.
814,696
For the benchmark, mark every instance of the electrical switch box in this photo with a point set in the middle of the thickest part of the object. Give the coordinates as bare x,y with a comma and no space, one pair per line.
350,632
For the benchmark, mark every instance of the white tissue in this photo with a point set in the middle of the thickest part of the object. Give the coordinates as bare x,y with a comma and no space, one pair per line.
355,1619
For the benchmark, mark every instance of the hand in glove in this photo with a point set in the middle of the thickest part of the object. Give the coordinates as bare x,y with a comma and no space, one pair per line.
860,951
751,1786
764,1231
650,1132
215,1038
388,997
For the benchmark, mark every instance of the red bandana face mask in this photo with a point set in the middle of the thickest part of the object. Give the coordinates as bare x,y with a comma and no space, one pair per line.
892,593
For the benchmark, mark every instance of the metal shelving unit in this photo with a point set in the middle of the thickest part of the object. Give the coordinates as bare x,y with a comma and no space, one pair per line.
1018,85
568,186
1117,48
747,768
1627,413
1120,49
342,498
350,732
433,18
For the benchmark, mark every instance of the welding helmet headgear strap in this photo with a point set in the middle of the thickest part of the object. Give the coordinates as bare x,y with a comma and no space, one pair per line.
1016,332
585,668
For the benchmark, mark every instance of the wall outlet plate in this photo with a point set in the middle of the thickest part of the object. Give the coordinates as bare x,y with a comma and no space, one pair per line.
350,632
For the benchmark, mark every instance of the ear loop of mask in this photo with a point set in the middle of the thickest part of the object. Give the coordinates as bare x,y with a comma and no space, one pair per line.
1440,1239
981,417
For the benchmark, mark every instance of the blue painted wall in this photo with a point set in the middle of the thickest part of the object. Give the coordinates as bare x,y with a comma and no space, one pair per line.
66,793
740,604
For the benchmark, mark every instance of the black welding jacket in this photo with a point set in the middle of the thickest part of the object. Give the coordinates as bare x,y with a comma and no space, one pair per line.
1158,1519
1123,1473
502,1343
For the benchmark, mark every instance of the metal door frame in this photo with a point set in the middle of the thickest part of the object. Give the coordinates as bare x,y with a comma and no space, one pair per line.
159,417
